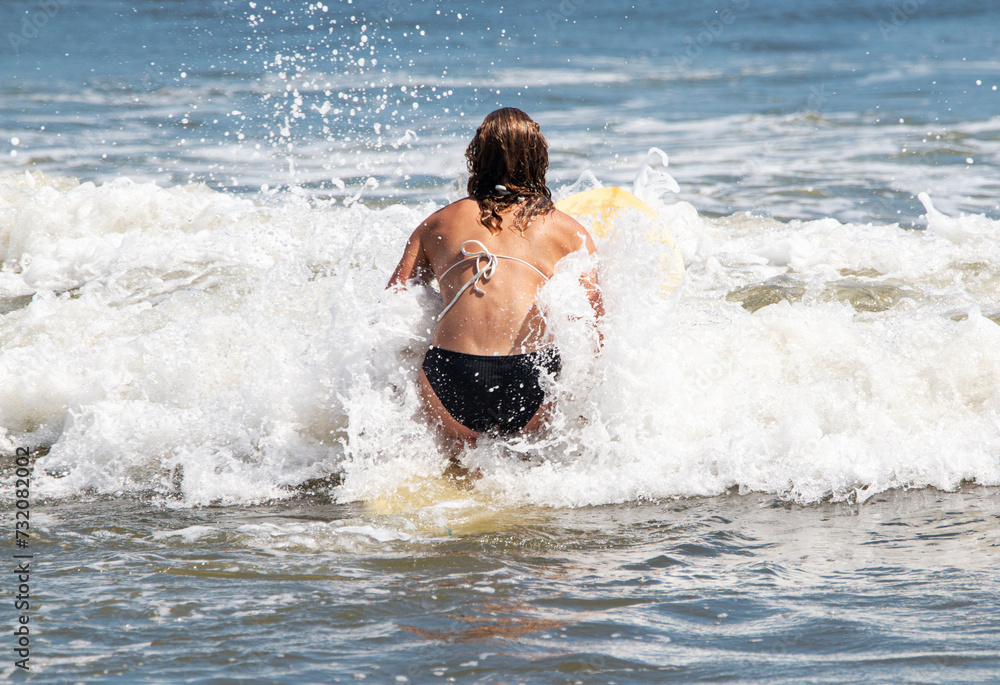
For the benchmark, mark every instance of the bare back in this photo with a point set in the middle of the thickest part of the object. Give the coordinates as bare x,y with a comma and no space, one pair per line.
504,319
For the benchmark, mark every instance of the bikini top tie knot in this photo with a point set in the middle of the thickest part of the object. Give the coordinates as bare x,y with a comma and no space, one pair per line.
486,271
482,270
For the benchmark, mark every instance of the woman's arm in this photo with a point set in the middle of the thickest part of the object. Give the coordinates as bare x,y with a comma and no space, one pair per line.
414,265
589,281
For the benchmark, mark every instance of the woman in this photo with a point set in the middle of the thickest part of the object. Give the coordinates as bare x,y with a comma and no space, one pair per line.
490,253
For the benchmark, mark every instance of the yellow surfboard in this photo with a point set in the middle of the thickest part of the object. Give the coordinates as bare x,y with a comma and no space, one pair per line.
601,208
441,506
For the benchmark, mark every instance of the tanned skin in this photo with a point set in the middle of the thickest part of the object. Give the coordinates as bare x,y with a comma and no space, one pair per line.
505,320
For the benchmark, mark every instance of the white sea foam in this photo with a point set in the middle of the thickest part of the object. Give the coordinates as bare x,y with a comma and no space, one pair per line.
206,348
187,535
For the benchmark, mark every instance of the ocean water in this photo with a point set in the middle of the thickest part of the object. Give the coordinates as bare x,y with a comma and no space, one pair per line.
788,470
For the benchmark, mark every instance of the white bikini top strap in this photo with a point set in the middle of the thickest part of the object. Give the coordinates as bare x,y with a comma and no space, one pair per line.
486,270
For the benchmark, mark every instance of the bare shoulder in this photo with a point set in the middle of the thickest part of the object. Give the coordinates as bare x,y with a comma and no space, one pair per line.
450,215
458,208
569,232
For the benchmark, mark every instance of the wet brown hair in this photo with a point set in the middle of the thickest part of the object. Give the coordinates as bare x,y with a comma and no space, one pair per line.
509,150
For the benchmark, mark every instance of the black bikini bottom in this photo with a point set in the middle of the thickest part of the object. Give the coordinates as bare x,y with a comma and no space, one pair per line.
490,394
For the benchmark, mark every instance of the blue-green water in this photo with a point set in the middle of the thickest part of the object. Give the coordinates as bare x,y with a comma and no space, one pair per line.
804,110
787,473
725,589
